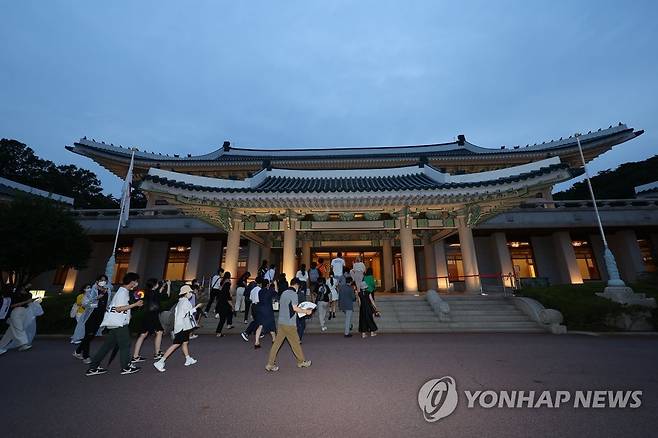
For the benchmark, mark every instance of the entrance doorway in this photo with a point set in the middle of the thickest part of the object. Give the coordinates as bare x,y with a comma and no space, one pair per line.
372,259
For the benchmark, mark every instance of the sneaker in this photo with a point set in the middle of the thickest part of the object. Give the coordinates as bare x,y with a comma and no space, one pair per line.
271,368
330,316
95,371
77,355
194,336
3,351
159,355
205,314
228,327
245,321
24,347
219,335
130,370
305,364
138,359
244,336
256,346
324,329
86,360
159,365
261,336
189,360
349,335
216,315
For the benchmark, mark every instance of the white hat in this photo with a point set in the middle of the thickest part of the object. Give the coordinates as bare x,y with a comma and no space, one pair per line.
185,289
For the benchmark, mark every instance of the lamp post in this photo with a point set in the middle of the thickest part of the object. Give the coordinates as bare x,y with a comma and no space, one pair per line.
611,265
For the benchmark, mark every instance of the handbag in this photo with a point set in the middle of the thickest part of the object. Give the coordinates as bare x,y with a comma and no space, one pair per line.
112,318
275,306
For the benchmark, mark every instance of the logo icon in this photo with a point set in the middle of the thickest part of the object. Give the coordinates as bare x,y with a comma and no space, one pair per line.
438,398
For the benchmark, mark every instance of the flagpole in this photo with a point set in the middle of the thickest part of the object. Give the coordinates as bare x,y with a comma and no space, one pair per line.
109,268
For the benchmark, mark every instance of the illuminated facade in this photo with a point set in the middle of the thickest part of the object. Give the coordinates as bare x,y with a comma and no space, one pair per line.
451,216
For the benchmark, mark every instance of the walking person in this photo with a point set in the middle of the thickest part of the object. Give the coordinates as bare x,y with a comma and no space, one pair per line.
247,298
253,299
287,328
116,319
224,306
313,279
151,319
214,291
282,284
367,311
302,276
332,284
96,305
346,298
358,271
239,292
338,266
184,323
265,312
369,279
262,270
270,275
81,314
322,301
18,317
301,297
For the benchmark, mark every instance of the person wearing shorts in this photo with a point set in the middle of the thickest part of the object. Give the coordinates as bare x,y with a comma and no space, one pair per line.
184,322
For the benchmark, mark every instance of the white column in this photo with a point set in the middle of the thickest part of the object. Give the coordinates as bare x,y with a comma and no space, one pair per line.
233,250
138,252
194,260
253,258
566,257
69,283
266,249
289,248
430,261
499,241
441,265
409,277
306,252
467,245
387,260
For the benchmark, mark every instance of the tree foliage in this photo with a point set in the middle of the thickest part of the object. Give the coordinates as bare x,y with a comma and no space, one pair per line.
19,163
615,184
39,236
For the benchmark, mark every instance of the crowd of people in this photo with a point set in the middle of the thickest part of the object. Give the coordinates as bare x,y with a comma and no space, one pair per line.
100,311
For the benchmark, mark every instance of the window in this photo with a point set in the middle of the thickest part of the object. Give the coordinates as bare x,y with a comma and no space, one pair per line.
177,258
121,261
522,259
647,255
585,259
60,276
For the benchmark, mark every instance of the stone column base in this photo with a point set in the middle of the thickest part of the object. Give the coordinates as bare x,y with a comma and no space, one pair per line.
625,295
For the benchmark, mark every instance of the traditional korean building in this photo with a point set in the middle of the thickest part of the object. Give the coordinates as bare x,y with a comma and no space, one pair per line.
449,216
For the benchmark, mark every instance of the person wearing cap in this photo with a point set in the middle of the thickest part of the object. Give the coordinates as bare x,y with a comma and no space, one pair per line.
184,323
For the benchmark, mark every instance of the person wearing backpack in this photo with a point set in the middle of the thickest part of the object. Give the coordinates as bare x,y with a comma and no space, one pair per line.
313,276
215,282
322,300
116,320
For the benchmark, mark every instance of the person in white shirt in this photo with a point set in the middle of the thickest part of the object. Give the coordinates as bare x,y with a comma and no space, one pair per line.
253,298
270,274
302,276
116,319
215,282
184,323
358,271
333,295
338,266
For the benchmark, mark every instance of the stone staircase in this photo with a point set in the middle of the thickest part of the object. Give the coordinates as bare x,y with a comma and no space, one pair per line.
412,314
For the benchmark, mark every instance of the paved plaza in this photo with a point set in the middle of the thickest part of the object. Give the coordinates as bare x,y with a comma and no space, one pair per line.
356,387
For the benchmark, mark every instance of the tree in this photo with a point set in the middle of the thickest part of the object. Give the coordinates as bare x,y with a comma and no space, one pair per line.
19,163
615,184
39,236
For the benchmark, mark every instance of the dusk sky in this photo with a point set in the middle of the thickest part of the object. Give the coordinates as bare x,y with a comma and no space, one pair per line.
182,77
